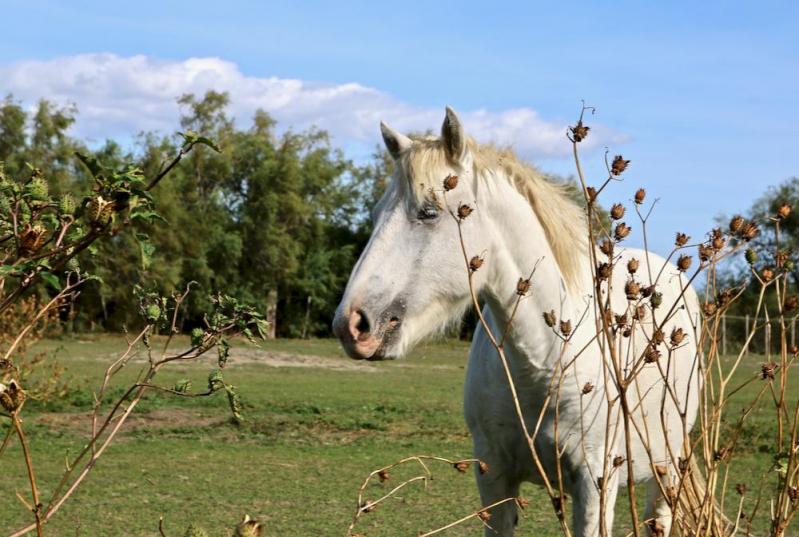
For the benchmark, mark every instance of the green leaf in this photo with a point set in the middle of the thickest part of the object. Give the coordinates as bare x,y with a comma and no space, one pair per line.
191,138
90,162
51,279
182,386
146,248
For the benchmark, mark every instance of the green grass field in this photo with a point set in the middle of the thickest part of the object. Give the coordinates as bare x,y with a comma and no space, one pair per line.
310,436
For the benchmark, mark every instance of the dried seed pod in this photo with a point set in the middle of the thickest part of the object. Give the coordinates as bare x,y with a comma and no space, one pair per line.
671,494
523,286
249,527
640,195
751,256
550,318
740,488
723,298
656,300
621,320
781,257
475,263
12,396
705,253
591,193
793,493
632,265
658,337
790,304
718,243
618,460
619,165
31,239
565,328
681,239
709,309
558,503
677,336
767,370
587,388
522,502
603,271
783,211
383,475
749,231
661,470
651,354
461,466
767,274
484,515
647,291
737,223
684,263
483,467
464,211
606,247
450,182
621,231
579,131
656,528
683,464
617,211
640,313
632,289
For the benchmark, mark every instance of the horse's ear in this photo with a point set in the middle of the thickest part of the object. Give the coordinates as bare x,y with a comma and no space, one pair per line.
395,142
453,135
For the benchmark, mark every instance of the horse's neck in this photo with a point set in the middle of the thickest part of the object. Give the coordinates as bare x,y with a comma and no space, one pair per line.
522,247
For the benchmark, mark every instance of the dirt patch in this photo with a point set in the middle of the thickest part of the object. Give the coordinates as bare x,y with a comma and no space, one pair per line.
79,423
285,359
249,355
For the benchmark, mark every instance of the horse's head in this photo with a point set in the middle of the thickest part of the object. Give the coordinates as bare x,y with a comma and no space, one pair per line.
410,280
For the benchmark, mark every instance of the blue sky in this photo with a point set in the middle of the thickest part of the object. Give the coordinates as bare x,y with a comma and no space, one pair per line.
701,96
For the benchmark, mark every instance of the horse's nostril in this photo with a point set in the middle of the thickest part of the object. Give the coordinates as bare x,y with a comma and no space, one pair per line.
362,326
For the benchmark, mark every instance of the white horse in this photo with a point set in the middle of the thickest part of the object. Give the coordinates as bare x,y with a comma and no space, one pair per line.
411,282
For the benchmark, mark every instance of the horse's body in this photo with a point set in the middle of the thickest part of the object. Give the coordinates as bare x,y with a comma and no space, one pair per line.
411,281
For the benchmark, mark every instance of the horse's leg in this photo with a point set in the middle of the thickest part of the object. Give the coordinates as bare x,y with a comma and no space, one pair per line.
586,509
495,486
657,509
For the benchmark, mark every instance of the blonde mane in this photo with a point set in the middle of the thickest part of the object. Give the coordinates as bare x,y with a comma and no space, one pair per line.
561,217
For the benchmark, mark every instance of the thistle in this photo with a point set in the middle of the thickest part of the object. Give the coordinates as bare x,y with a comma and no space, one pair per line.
684,263
619,165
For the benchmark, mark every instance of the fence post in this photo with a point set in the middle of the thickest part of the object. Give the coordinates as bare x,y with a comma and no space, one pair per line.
746,337
767,338
724,334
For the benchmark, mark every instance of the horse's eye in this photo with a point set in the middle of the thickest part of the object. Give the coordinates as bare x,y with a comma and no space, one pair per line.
428,212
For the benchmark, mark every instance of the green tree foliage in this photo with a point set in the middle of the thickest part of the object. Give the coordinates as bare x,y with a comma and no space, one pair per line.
271,213
765,247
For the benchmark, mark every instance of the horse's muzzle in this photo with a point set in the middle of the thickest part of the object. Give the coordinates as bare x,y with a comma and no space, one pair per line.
363,335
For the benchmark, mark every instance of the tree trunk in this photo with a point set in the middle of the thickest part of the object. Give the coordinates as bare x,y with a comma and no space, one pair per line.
271,313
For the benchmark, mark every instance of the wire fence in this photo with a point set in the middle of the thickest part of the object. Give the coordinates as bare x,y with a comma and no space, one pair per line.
734,330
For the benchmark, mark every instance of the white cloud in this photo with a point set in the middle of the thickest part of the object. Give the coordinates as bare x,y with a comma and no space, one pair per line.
118,96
